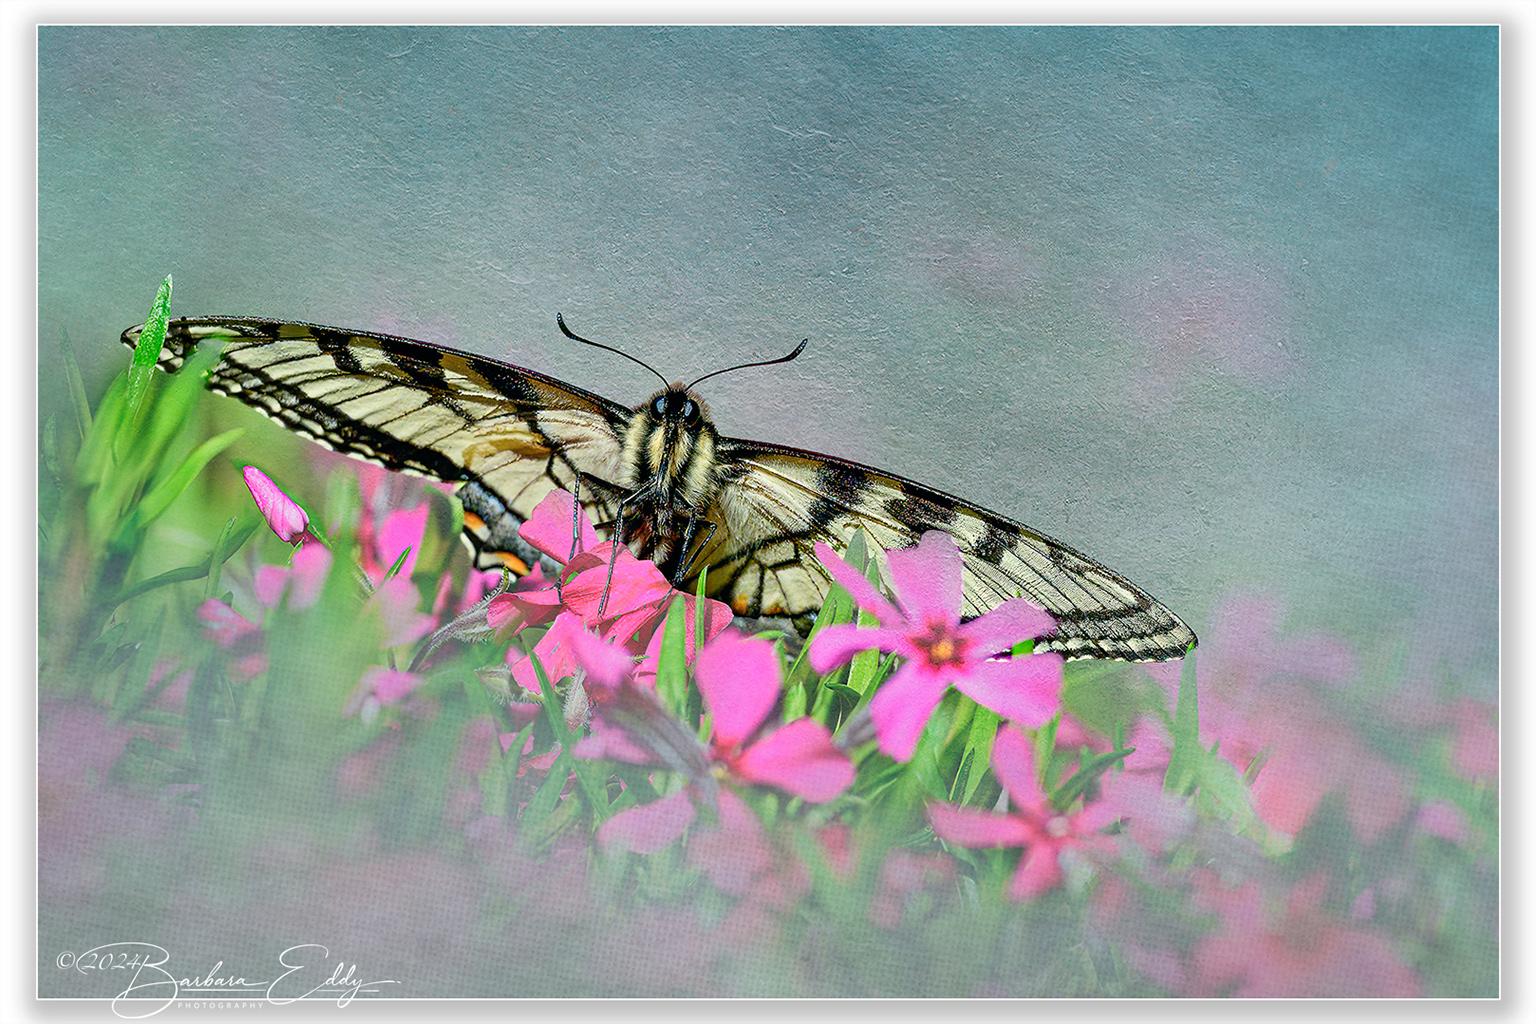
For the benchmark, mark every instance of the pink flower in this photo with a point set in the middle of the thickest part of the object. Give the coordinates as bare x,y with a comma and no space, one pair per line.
1292,948
1442,818
1032,822
282,513
395,603
1476,754
241,637
310,565
938,649
390,685
1264,693
739,680
605,589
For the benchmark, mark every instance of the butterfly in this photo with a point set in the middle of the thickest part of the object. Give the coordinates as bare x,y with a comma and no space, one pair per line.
659,475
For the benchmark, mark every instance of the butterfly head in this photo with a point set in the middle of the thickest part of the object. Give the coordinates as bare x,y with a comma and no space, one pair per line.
671,442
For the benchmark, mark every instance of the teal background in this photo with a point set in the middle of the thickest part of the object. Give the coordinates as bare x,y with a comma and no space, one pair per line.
1218,307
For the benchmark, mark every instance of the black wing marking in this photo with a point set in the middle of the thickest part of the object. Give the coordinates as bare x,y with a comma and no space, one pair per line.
510,435
779,501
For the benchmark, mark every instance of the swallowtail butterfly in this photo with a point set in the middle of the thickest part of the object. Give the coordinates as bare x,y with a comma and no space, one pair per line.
680,493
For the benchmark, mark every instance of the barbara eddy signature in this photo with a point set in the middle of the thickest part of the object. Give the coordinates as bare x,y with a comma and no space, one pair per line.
149,985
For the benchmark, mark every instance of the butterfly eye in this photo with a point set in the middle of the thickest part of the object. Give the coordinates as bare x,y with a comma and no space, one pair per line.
659,407
691,411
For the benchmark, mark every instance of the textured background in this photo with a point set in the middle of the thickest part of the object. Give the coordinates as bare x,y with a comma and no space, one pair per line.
1217,306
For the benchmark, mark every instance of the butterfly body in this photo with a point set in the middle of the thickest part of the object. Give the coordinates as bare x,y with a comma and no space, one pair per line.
659,475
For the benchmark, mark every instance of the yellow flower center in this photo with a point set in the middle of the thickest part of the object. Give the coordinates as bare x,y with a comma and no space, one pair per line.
941,646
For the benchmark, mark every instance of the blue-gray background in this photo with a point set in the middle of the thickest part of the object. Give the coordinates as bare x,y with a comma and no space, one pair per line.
1217,306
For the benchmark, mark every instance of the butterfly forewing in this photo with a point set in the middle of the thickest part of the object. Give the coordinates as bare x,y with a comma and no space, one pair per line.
786,500
511,436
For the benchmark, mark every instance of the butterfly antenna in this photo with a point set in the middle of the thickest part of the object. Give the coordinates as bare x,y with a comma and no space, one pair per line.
559,319
744,366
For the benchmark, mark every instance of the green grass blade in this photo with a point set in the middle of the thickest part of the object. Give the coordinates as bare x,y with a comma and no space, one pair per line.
147,352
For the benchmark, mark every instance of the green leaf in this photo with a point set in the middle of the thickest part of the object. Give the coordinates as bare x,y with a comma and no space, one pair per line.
169,489
978,749
587,774
1184,761
1090,770
76,385
146,354
672,660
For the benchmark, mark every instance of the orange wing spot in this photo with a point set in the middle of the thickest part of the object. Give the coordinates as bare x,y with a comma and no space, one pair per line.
511,561
473,521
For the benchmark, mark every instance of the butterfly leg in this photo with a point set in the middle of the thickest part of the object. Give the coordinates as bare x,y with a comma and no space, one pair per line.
618,542
686,560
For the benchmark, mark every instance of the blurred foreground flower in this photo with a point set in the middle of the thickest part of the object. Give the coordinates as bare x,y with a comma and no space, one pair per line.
1032,822
739,681
939,650
1291,947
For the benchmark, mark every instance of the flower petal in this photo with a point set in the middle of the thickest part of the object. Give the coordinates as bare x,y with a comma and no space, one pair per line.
836,645
549,529
281,512
401,534
389,685
1038,873
736,851
967,826
1013,762
739,679
850,579
648,828
901,708
926,578
799,759
1024,690
608,665
1010,622
395,603
611,743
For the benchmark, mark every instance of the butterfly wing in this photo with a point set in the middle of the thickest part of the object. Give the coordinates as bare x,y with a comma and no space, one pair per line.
510,435
778,502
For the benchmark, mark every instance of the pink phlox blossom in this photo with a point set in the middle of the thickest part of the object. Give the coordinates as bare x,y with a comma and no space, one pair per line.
382,687
1149,816
1264,694
739,857
300,581
477,585
289,521
395,603
739,681
1443,819
628,722
235,633
1475,755
1292,947
906,877
940,651
225,626
400,532
1032,821
605,589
